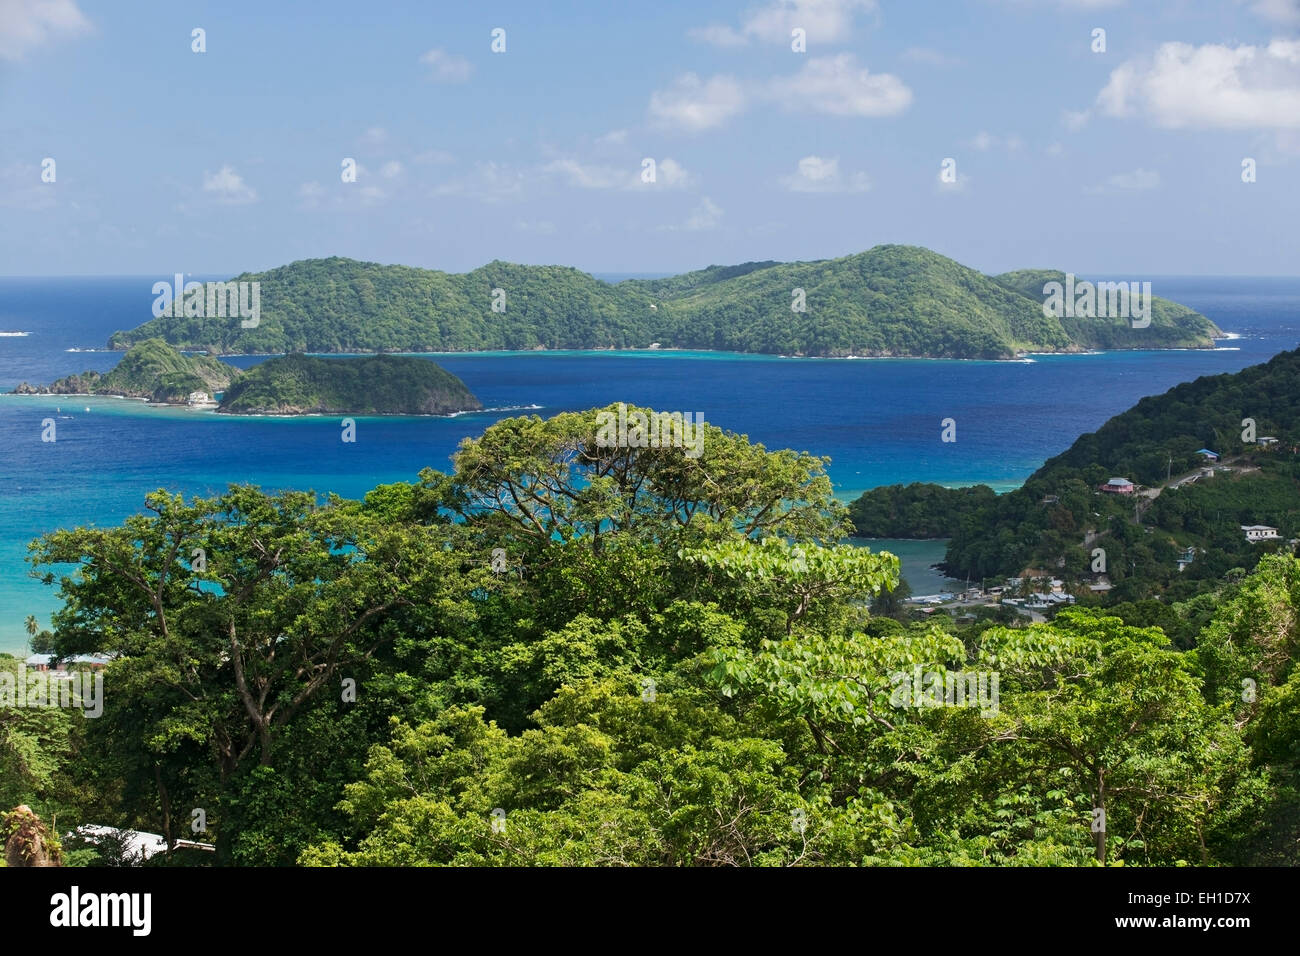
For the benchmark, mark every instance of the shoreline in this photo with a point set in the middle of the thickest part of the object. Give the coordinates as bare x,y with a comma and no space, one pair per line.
215,410
1018,358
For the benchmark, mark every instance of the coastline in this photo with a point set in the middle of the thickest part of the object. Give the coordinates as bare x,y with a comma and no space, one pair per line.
680,352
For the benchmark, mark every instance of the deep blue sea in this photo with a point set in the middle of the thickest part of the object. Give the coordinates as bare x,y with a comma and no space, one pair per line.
877,419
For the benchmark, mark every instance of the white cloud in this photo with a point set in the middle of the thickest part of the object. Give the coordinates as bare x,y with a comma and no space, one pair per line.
1210,86
1279,11
310,194
587,175
28,24
839,86
488,182
391,169
1138,179
228,186
984,141
818,175
929,57
1069,4
374,136
707,215
669,174
1075,120
694,105
825,21
1054,149
615,137
447,67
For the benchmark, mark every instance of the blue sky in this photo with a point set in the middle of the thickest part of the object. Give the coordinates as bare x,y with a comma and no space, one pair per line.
1123,161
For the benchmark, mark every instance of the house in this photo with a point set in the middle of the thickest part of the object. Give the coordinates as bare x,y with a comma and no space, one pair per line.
1260,532
1050,500
1117,486
1207,454
45,662
1267,440
136,846
1186,558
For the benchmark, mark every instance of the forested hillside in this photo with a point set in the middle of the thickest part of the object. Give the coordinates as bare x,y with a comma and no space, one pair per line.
1043,524
890,300
369,385
151,369
567,654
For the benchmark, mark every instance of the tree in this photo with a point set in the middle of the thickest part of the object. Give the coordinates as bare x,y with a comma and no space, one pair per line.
549,480
231,616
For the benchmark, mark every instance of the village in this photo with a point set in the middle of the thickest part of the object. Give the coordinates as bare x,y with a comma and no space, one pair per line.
1035,591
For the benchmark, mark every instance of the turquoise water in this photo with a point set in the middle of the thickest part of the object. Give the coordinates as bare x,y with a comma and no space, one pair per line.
878,420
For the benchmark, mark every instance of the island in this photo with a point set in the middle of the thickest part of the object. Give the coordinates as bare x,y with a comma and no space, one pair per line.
892,300
151,370
288,385
368,385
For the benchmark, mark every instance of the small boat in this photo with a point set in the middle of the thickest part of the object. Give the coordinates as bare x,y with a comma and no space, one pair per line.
13,332
87,408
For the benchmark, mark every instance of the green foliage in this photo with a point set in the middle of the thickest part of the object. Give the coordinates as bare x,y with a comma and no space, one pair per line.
918,510
374,385
1045,521
890,300
150,369
676,666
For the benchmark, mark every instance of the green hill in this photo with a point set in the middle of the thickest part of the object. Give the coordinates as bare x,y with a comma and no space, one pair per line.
371,385
150,369
1170,322
890,300
1043,524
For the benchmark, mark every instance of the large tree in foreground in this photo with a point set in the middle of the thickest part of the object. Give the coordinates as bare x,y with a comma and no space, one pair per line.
229,617
552,479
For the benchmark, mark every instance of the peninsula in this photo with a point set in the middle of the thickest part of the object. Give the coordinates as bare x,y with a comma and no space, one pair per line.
288,385
151,370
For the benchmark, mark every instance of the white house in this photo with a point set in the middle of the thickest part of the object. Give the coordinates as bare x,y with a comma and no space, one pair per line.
137,846
1260,532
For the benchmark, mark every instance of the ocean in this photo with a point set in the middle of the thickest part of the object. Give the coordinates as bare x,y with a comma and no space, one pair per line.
878,420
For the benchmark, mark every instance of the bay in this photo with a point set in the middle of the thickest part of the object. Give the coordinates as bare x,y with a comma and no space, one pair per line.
879,420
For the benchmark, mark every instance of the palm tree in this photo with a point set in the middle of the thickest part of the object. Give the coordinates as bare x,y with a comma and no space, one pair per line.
32,628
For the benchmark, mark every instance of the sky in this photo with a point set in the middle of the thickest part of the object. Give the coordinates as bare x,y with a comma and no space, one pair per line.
1123,152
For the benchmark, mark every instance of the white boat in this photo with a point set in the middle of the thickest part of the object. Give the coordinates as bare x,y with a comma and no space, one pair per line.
12,333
